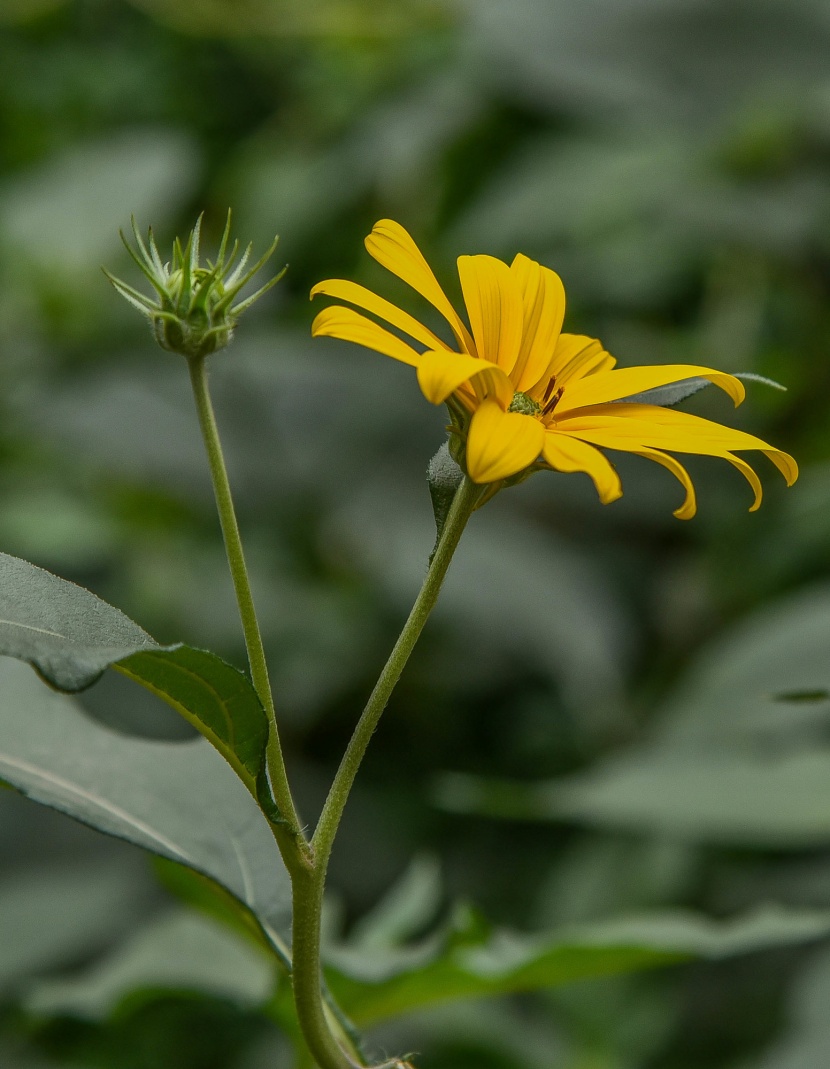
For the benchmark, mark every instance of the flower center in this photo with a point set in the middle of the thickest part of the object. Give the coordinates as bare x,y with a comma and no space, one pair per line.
524,405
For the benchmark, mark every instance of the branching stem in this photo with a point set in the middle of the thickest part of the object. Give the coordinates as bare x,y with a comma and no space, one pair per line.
307,862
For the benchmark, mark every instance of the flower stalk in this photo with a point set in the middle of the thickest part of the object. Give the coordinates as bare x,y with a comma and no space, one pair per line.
464,503
192,312
247,611
310,885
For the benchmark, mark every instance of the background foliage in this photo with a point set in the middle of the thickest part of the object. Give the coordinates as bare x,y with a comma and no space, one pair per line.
612,711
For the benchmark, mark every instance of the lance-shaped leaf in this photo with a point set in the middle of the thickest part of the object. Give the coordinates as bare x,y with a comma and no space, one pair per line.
178,951
70,637
65,632
676,392
62,913
216,698
461,965
177,800
739,755
777,802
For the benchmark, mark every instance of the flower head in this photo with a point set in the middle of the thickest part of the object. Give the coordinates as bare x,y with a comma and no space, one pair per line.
522,394
192,311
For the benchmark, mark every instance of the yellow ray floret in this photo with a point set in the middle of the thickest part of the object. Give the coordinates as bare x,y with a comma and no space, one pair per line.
524,395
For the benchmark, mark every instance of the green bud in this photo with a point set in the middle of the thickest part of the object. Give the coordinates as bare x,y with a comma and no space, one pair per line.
192,310
444,477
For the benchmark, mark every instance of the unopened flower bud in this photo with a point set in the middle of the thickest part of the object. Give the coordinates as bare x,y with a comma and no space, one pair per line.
192,310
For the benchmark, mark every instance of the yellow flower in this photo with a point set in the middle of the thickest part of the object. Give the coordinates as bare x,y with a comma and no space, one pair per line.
524,394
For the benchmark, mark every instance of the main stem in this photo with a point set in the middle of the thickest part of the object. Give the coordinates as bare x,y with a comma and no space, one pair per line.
245,601
309,885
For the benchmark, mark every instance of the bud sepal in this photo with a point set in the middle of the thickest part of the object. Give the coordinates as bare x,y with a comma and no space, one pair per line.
192,310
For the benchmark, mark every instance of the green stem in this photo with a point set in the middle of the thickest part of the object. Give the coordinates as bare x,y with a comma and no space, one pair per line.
306,976
244,598
309,885
465,500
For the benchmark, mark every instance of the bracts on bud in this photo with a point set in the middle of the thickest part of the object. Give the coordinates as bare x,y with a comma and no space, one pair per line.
192,311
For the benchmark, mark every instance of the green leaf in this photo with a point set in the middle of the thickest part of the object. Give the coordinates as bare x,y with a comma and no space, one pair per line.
372,989
56,913
734,759
23,10
734,693
214,697
177,800
179,951
201,893
65,632
70,637
407,908
766,801
678,391
668,395
806,1039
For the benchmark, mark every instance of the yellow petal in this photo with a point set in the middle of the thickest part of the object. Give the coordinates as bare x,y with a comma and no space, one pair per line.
348,325
689,506
395,250
570,454
440,373
733,439
494,305
624,382
575,356
751,477
343,290
543,299
500,444
627,426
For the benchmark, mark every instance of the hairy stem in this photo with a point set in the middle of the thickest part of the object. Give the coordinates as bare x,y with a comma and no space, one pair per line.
309,885
247,611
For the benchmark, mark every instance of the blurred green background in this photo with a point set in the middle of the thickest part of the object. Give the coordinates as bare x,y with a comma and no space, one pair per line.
668,683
